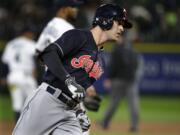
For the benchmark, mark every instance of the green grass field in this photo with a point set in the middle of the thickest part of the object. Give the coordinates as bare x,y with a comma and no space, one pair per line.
153,109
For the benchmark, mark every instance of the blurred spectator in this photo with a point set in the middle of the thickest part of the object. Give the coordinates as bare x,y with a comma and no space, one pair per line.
3,13
123,79
142,17
159,22
19,56
88,11
5,25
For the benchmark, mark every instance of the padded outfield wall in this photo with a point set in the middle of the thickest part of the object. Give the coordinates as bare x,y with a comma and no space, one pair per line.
161,68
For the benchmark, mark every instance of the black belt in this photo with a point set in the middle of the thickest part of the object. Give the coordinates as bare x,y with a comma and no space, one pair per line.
62,98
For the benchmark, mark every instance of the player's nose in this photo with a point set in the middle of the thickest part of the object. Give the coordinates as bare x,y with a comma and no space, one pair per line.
121,28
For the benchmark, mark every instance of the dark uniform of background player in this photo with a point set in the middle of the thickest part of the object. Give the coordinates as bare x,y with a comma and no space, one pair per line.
73,66
124,73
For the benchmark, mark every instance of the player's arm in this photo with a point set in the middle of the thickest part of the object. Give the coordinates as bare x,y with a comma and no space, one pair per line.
52,59
56,51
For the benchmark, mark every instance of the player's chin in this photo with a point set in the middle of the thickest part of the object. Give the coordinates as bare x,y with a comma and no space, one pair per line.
116,38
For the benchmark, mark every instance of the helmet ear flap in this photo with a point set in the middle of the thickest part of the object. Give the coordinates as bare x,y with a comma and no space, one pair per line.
104,23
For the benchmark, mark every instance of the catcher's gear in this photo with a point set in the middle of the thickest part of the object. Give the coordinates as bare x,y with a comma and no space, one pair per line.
84,121
92,103
77,91
107,13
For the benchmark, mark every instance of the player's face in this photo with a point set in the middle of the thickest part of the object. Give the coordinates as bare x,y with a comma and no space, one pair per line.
72,13
116,31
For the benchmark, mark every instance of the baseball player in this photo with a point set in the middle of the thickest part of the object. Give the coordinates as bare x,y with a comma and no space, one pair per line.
123,78
19,56
73,66
66,10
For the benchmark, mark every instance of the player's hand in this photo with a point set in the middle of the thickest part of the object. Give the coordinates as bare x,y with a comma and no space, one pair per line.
92,103
76,90
84,121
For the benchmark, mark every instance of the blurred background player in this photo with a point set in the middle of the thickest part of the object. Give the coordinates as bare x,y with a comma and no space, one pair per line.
19,56
65,12
123,79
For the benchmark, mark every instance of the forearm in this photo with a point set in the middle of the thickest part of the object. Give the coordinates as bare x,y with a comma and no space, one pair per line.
53,62
52,59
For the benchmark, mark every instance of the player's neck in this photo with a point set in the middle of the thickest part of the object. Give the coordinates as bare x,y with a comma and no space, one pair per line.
98,36
28,35
61,13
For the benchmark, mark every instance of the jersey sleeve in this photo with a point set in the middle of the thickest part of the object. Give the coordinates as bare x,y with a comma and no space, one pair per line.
7,54
70,42
50,57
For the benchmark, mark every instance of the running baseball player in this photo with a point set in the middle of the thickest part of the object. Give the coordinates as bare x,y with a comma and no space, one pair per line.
73,66
19,56
66,10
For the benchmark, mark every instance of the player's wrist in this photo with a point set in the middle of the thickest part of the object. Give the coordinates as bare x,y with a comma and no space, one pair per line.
77,91
69,79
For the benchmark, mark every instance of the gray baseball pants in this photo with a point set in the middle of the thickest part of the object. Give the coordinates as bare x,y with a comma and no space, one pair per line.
121,89
45,114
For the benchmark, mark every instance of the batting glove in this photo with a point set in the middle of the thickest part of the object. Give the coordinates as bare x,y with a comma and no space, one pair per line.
76,90
84,121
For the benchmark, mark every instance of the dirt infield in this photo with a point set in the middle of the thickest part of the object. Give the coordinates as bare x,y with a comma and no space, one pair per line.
118,128
144,129
6,128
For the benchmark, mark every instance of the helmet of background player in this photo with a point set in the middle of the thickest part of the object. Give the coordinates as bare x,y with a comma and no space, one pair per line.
107,13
